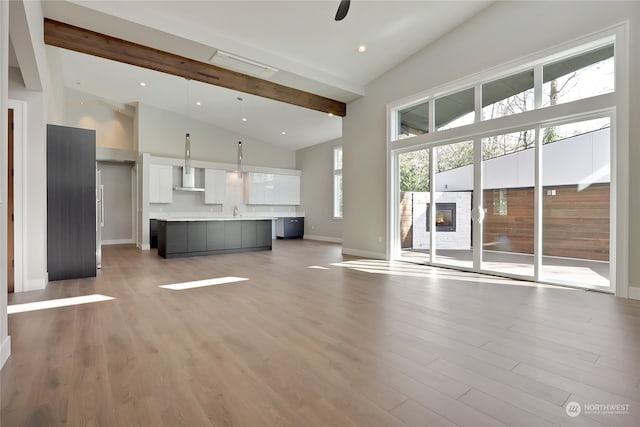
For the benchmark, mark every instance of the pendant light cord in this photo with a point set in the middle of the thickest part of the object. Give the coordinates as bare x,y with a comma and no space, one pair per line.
187,139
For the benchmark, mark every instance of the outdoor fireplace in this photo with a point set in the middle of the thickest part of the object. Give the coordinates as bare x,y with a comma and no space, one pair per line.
445,217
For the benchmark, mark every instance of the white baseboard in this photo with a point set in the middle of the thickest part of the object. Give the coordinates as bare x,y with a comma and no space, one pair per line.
5,351
634,293
146,247
118,242
364,254
35,284
323,238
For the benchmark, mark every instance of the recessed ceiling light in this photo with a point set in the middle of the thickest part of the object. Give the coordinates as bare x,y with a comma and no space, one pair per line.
143,84
244,119
283,132
198,103
330,114
362,49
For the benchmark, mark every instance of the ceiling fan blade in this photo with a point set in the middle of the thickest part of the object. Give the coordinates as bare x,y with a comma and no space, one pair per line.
343,8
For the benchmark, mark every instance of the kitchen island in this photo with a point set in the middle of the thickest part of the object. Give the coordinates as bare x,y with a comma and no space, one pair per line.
184,237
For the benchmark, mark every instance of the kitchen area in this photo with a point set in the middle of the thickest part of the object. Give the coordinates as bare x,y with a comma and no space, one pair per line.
143,188
205,208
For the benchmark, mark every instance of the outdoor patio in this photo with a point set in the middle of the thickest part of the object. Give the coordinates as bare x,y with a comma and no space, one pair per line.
567,271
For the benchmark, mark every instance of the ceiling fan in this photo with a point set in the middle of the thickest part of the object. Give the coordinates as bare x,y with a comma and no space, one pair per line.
343,8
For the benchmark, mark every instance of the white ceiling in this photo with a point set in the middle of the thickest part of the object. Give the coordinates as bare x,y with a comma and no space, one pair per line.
266,119
300,38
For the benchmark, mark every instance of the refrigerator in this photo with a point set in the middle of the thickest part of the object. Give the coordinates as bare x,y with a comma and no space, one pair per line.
99,216
71,203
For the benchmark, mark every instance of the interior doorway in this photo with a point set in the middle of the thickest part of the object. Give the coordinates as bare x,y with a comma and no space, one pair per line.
118,220
10,213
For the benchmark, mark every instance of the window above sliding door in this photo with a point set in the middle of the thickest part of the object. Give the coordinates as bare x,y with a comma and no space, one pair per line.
576,74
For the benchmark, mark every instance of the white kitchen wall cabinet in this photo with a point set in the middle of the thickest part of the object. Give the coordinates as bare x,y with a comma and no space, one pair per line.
287,190
160,183
271,189
215,186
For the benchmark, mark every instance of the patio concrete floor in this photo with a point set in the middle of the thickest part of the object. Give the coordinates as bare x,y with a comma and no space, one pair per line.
564,271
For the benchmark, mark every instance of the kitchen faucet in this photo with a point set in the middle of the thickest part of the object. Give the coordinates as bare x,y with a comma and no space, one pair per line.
236,212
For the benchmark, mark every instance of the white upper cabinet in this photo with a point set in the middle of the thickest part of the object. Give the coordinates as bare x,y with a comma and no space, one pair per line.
271,189
215,186
294,189
160,183
288,190
254,188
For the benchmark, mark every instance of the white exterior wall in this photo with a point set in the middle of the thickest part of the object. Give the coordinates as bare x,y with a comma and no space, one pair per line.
583,159
459,239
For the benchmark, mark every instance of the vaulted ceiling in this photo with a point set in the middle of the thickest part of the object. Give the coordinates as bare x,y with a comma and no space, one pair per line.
300,39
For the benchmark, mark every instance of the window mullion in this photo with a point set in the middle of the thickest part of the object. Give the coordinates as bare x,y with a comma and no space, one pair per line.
537,86
478,102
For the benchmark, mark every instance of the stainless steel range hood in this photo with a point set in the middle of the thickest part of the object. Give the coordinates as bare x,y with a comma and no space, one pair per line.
188,173
188,181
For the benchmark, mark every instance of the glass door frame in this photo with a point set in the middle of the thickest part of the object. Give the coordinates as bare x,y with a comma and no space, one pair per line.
394,238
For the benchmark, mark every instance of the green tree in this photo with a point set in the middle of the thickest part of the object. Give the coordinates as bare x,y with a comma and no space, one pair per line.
454,156
414,171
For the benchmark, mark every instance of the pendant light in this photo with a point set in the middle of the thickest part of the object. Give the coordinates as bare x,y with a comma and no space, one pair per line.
187,154
239,170
187,139
239,167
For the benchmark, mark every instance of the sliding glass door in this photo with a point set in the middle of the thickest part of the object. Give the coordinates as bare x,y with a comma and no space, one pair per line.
508,171
413,197
534,204
576,203
453,202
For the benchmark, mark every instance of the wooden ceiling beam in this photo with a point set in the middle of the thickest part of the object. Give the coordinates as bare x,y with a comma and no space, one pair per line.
85,41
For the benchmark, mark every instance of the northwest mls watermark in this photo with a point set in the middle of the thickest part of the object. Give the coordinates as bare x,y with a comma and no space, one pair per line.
573,409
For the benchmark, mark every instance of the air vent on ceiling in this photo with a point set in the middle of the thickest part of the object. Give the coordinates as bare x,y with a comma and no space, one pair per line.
242,65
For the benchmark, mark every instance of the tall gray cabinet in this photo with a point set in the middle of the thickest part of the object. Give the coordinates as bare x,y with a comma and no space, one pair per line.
71,202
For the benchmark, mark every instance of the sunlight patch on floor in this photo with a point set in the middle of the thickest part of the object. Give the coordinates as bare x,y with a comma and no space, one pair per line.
55,303
203,283
317,267
414,270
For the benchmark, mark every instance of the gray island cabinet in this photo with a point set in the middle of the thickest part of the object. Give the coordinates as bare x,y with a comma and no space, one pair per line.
183,238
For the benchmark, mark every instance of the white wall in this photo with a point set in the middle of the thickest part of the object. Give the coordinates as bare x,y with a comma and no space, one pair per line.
35,197
316,191
42,106
634,152
162,133
118,208
501,33
5,340
113,129
56,106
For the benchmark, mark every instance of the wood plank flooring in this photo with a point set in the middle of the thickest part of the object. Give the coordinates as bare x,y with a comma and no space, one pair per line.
356,343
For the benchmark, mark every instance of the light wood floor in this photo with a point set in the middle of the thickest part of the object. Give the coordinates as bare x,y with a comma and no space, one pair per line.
361,343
